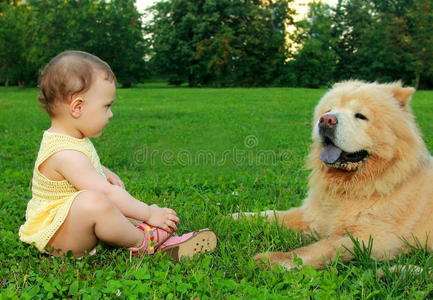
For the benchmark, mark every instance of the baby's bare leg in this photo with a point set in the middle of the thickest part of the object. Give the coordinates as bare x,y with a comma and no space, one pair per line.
94,217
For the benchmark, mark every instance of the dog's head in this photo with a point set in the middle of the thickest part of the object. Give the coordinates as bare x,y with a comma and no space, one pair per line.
357,124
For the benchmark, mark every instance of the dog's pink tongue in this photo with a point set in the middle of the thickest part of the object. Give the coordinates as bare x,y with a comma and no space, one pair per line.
330,154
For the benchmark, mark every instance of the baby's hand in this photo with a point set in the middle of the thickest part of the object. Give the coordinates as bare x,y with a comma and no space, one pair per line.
164,218
113,178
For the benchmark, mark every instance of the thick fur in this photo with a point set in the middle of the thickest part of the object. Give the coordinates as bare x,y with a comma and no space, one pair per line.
388,196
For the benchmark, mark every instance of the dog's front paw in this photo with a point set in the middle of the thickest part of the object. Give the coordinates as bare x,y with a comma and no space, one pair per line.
270,259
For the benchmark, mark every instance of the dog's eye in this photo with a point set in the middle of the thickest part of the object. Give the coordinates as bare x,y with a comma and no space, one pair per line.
360,116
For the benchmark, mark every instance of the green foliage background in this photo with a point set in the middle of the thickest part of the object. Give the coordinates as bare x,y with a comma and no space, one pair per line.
373,40
33,33
224,43
219,42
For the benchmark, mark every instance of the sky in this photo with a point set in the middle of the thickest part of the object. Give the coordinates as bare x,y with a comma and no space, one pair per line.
143,4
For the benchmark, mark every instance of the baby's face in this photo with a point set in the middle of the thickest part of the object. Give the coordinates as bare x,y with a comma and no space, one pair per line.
97,106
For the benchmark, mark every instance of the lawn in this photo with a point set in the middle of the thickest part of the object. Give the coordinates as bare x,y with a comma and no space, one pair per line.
205,153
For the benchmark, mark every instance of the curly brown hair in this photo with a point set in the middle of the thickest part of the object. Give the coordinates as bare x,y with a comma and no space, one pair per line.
68,74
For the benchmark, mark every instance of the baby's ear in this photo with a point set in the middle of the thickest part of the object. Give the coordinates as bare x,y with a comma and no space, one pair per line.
402,94
76,107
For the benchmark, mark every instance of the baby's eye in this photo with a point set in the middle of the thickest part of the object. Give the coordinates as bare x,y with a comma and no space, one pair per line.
360,116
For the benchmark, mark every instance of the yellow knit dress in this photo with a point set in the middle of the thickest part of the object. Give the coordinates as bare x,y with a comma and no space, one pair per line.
51,200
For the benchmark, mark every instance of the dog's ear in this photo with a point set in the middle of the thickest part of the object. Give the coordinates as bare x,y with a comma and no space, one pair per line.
403,95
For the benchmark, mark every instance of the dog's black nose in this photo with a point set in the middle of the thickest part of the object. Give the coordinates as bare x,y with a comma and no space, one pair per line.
328,121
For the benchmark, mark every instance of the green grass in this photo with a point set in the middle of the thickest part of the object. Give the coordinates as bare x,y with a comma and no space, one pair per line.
206,153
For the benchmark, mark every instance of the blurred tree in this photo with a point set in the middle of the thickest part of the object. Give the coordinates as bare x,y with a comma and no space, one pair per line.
370,40
14,43
363,47
40,29
352,20
121,42
409,26
315,62
224,42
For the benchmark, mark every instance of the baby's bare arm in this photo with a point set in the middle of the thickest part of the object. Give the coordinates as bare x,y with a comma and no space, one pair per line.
112,177
76,168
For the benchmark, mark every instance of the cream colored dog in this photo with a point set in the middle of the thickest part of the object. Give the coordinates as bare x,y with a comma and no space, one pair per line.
371,176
